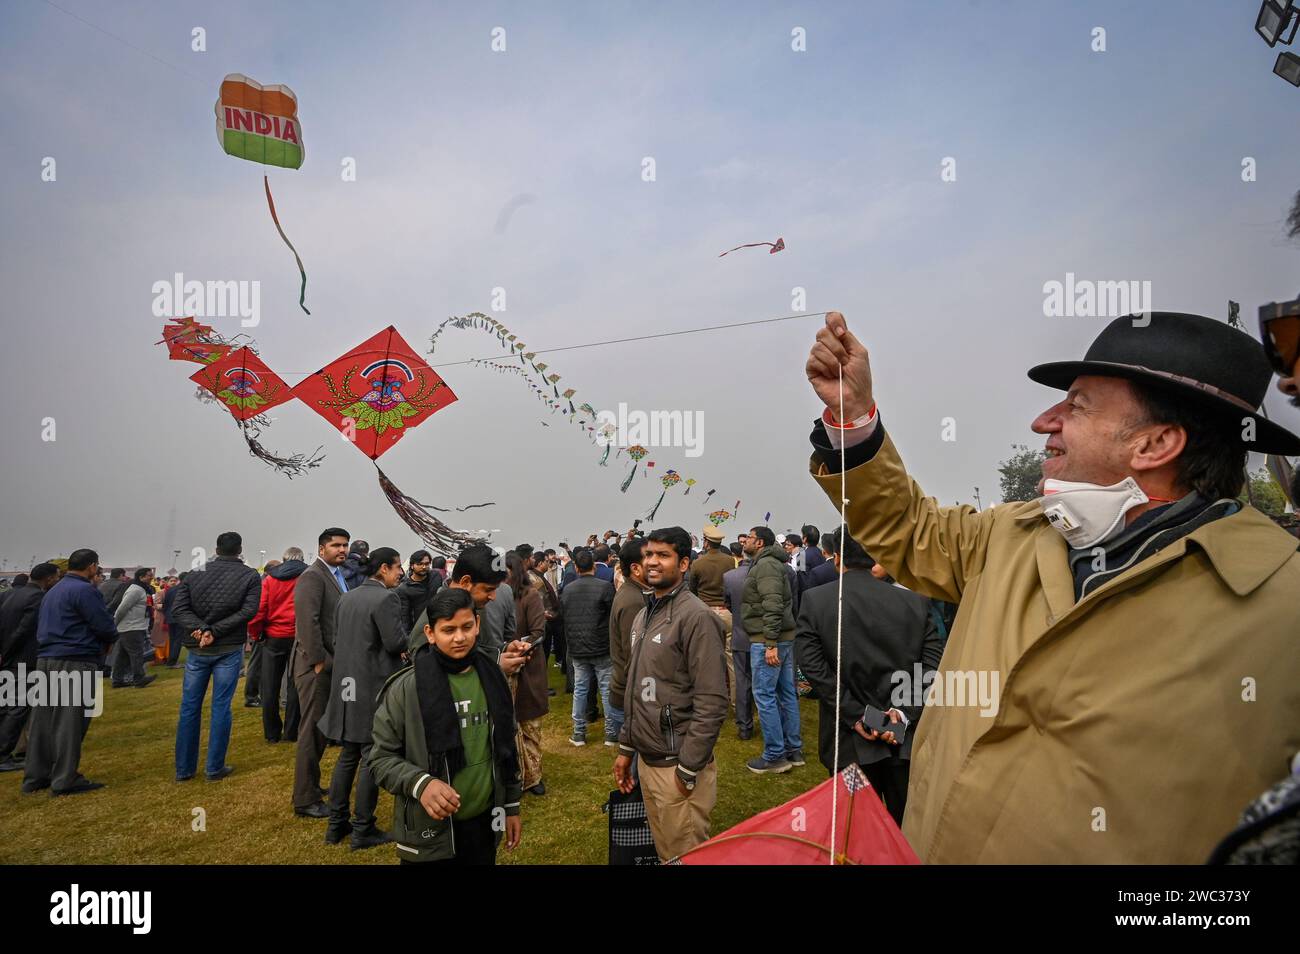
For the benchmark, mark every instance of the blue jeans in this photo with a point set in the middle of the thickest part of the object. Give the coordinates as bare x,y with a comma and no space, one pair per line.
775,698
586,671
224,672
613,721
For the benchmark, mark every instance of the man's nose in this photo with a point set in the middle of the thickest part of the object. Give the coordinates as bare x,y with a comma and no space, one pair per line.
1288,386
1049,422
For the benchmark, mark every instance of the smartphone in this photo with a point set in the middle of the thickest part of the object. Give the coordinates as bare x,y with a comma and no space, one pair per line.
873,718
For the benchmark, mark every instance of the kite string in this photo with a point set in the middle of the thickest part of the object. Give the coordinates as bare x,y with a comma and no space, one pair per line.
600,344
839,624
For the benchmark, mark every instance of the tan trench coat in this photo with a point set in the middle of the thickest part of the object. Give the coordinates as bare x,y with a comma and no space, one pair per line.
1132,727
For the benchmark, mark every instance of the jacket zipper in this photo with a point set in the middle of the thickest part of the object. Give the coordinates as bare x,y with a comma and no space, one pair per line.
451,828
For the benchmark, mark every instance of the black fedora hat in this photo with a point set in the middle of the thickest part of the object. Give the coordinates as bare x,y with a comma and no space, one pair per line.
1212,365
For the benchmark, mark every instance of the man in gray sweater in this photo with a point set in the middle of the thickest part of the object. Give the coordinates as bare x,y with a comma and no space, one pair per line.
132,620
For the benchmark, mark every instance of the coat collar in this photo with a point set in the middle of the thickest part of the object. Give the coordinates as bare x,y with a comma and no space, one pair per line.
1245,549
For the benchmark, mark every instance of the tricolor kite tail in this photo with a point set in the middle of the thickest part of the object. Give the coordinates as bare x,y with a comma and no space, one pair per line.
302,293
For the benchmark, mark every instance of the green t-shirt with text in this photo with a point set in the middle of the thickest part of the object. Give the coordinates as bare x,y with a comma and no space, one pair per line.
473,782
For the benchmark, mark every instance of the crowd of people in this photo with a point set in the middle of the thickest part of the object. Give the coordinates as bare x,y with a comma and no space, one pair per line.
1132,619
431,674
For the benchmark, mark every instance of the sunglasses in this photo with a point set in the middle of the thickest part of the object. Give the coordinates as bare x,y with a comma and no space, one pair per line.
1279,330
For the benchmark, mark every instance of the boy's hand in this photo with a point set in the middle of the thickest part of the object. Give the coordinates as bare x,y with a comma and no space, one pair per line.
514,826
623,774
440,800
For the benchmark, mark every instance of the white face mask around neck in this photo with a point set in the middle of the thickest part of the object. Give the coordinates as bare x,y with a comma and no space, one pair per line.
1089,514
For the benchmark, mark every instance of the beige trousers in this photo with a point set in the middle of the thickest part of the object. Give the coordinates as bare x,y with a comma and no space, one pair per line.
678,822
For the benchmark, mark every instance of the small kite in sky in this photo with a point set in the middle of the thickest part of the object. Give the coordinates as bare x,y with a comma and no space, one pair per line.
773,247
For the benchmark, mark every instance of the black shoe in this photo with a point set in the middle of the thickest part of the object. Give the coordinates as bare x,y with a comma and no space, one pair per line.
538,789
11,765
593,716
31,788
369,839
252,703
273,741
84,785
796,757
336,831
319,810
744,734
144,682
184,778
120,685
224,771
291,738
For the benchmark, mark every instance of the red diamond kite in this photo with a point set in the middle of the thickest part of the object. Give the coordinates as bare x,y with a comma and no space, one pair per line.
378,391
246,385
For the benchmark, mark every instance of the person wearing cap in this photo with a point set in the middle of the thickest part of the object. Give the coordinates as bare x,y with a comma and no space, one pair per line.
1136,622
706,583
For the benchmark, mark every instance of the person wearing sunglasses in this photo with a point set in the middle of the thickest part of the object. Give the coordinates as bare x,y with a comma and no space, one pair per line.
1279,329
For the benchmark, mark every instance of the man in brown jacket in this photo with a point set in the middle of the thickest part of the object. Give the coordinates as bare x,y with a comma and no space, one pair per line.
1130,636
675,702
314,602
706,583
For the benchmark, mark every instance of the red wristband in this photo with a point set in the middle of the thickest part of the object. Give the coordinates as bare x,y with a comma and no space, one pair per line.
829,420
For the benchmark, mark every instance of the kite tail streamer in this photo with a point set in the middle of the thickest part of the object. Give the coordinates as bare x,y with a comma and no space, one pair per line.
655,509
604,460
302,293
628,480
426,526
293,466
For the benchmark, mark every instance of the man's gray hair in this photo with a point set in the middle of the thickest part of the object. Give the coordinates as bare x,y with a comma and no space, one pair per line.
294,553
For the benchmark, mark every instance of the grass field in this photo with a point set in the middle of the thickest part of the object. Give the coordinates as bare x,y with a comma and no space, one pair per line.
143,816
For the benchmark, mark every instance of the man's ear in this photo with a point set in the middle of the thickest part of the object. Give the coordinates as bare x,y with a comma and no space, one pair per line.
1156,446
428,633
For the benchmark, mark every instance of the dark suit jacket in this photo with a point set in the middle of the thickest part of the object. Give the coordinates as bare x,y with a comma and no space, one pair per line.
315,602
887,630
368,644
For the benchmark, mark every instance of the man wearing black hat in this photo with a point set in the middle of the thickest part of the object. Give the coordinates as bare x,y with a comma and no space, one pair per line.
1136,624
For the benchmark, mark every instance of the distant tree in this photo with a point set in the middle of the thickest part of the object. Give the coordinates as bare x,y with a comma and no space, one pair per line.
1021,473
1264,494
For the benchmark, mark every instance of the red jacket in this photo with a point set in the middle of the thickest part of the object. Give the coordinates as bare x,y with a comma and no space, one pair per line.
274,617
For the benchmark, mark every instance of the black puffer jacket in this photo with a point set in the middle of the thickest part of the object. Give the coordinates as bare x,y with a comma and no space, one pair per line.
586,601
413,597
222,597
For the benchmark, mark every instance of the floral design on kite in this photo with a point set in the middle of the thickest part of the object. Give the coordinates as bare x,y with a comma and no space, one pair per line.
385,405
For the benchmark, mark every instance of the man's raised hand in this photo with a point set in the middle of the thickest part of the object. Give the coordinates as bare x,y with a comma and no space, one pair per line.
834,348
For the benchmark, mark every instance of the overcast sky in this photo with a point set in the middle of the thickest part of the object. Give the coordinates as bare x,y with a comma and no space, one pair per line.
1116,165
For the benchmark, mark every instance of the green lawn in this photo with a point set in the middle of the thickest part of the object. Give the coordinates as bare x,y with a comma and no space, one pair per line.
144,817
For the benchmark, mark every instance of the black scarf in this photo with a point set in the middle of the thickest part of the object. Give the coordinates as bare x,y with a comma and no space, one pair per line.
438,709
